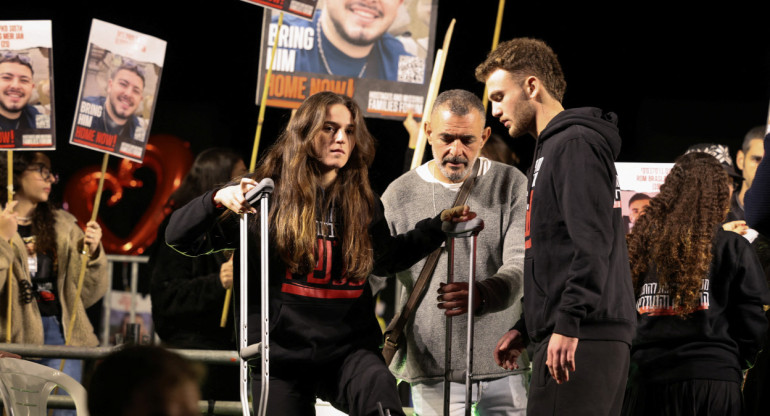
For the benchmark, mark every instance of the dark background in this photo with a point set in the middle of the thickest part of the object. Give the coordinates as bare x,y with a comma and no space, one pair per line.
673,78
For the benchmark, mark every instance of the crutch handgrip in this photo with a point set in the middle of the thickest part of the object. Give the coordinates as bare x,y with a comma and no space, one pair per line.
251,351
265,186
463,229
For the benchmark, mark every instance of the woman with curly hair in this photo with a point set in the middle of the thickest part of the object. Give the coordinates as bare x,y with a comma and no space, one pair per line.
700,292
327,234
43,246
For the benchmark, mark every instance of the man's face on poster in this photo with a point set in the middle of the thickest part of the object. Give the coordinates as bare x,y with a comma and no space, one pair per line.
124,94
635,208
15,87
362,22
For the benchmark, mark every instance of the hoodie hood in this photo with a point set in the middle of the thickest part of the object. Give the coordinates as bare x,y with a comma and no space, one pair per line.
606,124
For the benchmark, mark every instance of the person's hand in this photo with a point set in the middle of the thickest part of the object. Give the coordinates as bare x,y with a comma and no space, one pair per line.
412,127
93,237
460,213
226,273
561,357
8,221
738,226
233,197
508,350
454,298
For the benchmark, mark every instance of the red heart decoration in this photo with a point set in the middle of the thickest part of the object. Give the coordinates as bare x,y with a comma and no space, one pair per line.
167,156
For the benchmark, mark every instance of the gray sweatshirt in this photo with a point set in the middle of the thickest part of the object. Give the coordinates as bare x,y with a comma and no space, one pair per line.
499,198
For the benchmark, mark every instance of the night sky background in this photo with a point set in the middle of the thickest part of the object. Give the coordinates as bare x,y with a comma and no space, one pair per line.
674,78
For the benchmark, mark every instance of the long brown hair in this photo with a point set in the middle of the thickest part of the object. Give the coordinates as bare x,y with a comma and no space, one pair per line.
42,220
299,199
675,233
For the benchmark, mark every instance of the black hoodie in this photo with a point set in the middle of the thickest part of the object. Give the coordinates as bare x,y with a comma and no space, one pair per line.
318,318
719,339
577,281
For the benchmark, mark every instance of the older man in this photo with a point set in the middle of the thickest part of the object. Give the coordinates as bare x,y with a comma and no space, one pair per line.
456,132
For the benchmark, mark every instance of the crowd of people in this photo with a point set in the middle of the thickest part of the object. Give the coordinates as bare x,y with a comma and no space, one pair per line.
574,314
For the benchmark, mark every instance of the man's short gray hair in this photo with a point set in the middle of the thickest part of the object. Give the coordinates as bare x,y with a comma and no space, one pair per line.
459,103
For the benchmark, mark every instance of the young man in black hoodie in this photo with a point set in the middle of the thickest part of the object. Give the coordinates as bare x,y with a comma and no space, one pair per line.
578,298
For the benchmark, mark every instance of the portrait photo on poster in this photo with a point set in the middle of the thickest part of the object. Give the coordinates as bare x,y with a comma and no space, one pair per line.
639,182
116,101
26,93
380,54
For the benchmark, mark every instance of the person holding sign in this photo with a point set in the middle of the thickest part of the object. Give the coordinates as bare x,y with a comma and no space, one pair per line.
327,234
115,113
16,87
44,245
350,39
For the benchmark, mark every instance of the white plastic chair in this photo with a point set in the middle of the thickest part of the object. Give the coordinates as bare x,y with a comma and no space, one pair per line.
25,387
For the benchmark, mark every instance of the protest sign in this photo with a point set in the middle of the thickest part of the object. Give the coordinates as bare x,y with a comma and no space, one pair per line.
26,86
638,182
381,55
119,84
301,8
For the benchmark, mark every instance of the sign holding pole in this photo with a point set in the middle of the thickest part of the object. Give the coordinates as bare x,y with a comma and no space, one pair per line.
26,60
117,94
26,111
380,55
120,80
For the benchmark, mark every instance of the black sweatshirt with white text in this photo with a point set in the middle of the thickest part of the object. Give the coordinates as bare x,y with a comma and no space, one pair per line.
315,318
719,339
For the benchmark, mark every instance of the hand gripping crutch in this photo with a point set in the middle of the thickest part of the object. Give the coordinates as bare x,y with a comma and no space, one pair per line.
453,231
260,193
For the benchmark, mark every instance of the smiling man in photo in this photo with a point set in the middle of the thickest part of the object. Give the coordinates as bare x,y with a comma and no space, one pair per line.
16,86
119,106
351,40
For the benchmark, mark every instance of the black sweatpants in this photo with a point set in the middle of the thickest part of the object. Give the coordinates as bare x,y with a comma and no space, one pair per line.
353,385
595,387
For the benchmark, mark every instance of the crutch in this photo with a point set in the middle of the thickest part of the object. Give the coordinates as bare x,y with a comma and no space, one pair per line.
453,231
260,193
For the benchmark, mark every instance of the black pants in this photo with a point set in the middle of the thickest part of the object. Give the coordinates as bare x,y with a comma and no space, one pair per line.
595,387
684,398
353,385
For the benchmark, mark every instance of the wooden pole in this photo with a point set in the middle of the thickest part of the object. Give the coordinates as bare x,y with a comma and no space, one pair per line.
9,310
84,257
435,83
495,40
257,135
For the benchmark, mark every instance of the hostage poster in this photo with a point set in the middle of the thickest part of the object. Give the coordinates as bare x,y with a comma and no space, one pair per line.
380,54
302,8
26,86
118,88
639,182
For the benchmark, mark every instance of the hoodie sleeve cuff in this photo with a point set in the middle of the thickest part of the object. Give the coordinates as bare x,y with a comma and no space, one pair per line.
522,328
567,325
